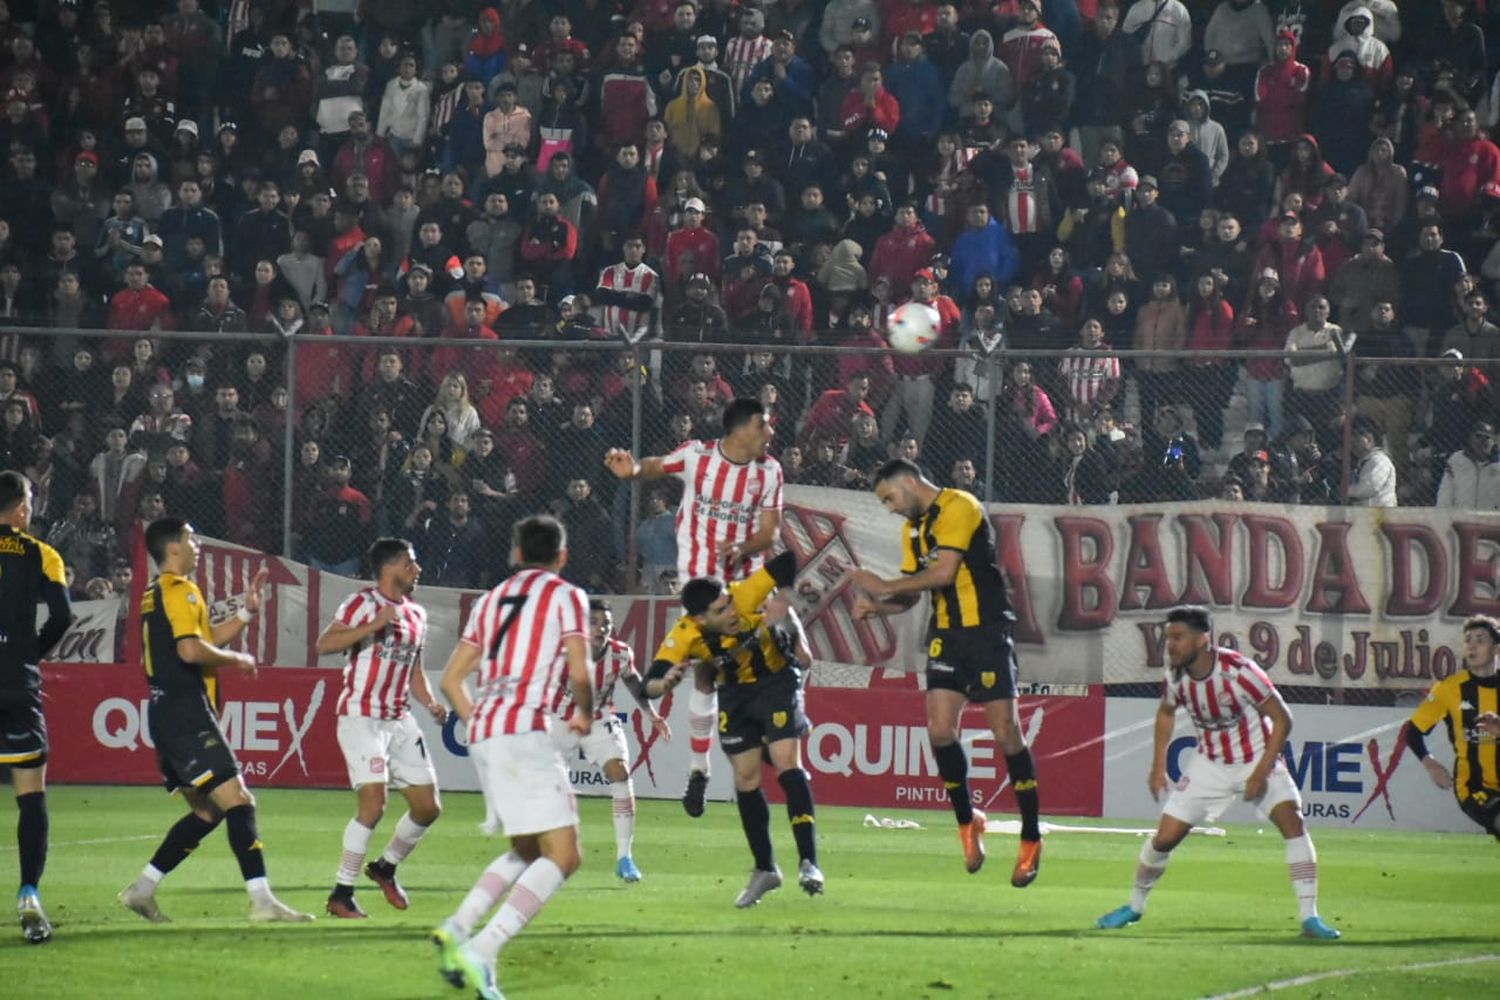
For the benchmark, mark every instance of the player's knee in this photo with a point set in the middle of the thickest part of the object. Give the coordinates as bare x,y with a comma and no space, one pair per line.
566,858
427,814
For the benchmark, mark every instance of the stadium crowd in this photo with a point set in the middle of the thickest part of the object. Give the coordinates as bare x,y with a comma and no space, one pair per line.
1182,178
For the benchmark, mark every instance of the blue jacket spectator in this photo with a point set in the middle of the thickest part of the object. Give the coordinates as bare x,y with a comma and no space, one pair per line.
984,247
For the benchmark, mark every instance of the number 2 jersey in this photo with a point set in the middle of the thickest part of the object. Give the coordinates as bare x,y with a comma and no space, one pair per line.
520,627
377,671
752,653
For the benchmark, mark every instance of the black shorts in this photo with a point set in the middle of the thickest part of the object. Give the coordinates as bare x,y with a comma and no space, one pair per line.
755,715
979,663
190,748
1483,807
23,729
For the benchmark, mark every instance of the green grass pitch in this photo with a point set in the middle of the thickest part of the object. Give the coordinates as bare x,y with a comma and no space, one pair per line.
900,917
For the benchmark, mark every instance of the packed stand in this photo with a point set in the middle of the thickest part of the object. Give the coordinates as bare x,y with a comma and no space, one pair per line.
1187,179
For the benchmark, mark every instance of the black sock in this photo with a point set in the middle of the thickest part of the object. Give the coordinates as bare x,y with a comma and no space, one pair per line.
184,837
341,891
245,842
31,836
799,809
755,817
953,768
1023,779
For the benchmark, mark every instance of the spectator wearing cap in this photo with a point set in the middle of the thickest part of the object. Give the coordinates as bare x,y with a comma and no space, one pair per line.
791,75
1165,28
1150,233
137,140
1372,481
1471,475
747,49
719,86
1427,279
1281,94
1367,277
282,93
338,522
914,392
692,238
1185,175
364,152
406,106
837,27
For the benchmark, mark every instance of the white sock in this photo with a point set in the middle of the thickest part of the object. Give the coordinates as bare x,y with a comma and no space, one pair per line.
1302,863
356,843
1147,870
259,889
151,877
624,796
487,891
537,884
404,840
703,710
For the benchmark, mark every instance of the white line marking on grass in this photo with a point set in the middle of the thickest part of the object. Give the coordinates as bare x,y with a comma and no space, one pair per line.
91,843
1315,977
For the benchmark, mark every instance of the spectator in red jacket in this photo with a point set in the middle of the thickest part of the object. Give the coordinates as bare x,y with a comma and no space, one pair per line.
833,413
1281,95
366,153
1299,262
870,105
695,239
136,307
1469,161
626,99
904,250
549,248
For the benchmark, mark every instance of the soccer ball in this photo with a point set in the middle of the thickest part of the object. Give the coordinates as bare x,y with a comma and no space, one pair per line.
913,327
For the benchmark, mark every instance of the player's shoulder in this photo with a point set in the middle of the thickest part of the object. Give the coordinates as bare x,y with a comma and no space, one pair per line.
619,647
1237,662
1451,685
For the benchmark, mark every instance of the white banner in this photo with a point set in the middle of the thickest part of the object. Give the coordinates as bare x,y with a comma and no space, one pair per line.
1349,763
91,637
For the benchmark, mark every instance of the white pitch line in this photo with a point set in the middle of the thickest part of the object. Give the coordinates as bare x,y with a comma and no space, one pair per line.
90,843
1315,977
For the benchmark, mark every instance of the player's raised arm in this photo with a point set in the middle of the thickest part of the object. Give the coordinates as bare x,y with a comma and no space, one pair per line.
625,466
229,630
339,636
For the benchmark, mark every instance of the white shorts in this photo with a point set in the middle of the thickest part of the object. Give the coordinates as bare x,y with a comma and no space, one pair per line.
1208,788
605,741
384,752
525,784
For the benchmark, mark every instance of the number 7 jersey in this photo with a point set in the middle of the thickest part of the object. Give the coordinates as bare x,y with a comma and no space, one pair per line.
519,628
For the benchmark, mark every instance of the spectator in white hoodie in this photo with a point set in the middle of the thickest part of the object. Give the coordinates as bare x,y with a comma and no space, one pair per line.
1373,483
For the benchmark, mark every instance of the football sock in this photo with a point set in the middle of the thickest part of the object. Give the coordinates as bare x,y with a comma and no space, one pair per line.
799,809
1147,870
953,768
498,877
1302,863
536,885
184,837
356,843
245,842
1022,771
623,793
403,841
703,709
31,836
755,817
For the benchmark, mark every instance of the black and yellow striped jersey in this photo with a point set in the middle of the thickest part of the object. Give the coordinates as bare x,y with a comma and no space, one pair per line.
1457,701
747,654
172,608
977,595
31,571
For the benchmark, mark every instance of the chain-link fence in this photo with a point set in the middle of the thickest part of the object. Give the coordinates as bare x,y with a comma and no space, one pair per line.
311,445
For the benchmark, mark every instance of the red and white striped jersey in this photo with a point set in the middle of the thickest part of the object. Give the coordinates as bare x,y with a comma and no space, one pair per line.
519,628
742,55
721,506
1086,377
377,671
630,324
1223,707
1022,213
617,660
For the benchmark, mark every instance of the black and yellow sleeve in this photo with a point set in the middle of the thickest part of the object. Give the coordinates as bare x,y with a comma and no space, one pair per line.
957,521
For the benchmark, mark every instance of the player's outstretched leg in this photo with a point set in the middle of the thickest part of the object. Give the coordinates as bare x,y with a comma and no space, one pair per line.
31,841
622,792
186,834
703,710
953,768
800,812
1149,867
450,936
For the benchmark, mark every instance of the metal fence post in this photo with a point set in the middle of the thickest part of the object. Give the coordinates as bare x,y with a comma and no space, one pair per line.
991,432
288,446
631,546
1346,428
